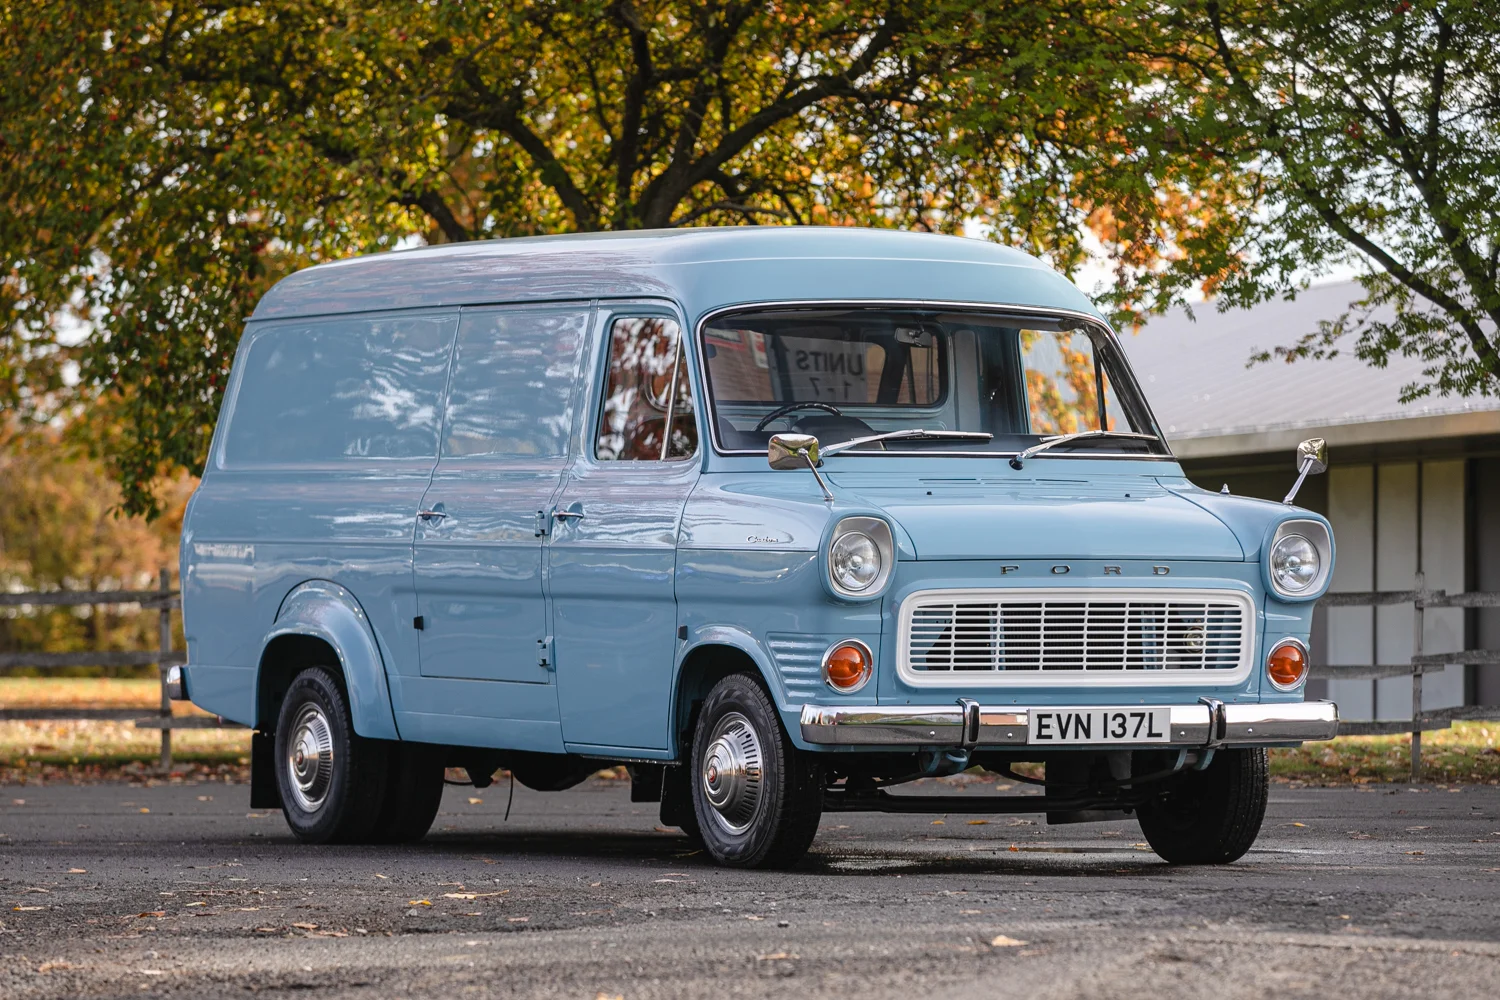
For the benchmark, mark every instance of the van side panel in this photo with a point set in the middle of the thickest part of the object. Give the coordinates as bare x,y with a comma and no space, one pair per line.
325,446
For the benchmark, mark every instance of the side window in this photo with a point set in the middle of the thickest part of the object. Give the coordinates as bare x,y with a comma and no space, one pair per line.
1067,386
514,375
341,390
648,403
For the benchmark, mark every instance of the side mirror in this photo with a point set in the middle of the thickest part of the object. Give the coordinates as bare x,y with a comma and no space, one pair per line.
1312,456
1312,459
796,451
792,451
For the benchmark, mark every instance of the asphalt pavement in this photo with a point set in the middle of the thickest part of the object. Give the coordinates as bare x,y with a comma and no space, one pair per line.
183,891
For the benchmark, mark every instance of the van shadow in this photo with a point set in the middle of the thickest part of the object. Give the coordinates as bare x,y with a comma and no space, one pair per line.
829,860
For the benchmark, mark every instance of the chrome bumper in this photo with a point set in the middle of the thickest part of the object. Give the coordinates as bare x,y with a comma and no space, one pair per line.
1210,724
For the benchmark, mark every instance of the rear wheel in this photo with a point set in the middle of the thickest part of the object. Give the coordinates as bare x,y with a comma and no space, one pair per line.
1209,817
332,781
413,793
757,799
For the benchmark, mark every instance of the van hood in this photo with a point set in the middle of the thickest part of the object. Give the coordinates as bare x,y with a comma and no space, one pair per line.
1131,518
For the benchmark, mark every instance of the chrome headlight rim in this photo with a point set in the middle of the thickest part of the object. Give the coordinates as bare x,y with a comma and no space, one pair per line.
879,532
1316,534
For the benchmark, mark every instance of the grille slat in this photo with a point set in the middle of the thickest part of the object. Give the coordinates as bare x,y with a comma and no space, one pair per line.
1014,631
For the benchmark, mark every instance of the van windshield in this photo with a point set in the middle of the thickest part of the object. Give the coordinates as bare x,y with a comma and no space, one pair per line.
852,372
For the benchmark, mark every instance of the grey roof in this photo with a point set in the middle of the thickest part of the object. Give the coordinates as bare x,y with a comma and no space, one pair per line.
1208,402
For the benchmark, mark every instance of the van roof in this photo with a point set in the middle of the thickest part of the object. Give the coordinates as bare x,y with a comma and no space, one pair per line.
700,268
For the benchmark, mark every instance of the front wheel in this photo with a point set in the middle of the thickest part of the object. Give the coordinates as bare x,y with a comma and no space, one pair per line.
1209,817
332,781
756,797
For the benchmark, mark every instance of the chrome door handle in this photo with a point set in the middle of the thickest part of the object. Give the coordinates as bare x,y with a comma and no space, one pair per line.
428,515
573,512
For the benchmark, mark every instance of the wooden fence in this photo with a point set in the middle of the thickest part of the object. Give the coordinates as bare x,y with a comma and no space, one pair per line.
164,599
1421,599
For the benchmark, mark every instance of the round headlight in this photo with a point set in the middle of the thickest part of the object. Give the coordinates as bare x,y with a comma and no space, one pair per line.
1294,563
854,561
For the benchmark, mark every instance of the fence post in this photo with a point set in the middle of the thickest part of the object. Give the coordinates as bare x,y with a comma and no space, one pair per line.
1416,681
164,643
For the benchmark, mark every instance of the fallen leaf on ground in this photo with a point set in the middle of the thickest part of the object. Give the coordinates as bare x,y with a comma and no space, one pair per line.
776,956
938,822
382,876
305,927
152,913
198,903
979,822
419,902
143,809
78,871
474,800
28,909
1001,941
46,967
518,920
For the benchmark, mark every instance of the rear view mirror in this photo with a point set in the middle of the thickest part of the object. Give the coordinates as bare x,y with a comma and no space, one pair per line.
1312,459
792,451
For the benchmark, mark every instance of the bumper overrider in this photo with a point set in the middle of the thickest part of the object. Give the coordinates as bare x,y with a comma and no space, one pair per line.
1209,724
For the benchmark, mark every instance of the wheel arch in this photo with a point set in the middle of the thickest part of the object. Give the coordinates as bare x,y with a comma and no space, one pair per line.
715,653
320,623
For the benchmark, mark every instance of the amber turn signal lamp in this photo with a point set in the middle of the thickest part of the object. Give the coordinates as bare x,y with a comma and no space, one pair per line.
1287,664
847,665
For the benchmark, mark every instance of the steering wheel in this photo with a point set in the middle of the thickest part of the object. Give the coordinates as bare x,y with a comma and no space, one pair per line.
782,411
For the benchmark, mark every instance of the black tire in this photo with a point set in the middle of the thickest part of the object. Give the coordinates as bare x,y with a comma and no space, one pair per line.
336,793
1210,817
772,794
413,793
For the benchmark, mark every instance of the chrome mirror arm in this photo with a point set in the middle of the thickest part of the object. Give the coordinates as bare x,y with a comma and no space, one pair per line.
792,451
1312,458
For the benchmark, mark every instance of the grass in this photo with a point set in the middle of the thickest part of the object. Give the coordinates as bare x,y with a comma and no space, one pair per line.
1468,753
52,750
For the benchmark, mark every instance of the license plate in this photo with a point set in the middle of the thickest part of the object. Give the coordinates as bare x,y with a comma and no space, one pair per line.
1099,725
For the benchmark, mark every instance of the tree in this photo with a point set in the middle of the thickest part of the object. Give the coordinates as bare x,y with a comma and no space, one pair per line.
161,164
1373,130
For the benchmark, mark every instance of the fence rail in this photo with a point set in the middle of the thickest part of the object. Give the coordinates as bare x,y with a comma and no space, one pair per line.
1421,663
164,599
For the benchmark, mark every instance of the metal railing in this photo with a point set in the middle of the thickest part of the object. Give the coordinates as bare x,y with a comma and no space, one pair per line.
164,599
1421,599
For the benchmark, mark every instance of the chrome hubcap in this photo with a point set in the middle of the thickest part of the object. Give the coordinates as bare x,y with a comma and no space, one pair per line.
309,759
731,773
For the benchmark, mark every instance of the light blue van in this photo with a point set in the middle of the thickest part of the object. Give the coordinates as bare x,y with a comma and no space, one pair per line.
778,517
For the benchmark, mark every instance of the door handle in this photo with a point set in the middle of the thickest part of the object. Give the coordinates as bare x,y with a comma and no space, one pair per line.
573,512
428,515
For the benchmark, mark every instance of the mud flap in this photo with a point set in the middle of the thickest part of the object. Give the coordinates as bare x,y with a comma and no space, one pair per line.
264,792
677,798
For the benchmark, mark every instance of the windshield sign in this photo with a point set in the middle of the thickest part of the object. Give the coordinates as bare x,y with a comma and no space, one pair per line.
847,373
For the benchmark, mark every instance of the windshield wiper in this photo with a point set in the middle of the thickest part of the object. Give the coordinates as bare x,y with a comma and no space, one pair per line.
910,434
1053,442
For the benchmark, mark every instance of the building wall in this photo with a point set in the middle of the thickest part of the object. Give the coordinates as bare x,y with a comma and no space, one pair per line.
1484,575
1392,521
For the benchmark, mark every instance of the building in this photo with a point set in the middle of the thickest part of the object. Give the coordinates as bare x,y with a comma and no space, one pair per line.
1411,487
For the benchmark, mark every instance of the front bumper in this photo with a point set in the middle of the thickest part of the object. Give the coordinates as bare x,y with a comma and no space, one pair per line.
1209,724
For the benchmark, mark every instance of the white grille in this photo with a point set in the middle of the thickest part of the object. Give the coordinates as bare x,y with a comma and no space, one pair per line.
1035,633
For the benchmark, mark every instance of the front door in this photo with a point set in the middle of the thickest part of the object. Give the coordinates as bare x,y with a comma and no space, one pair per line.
612,554
478,550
